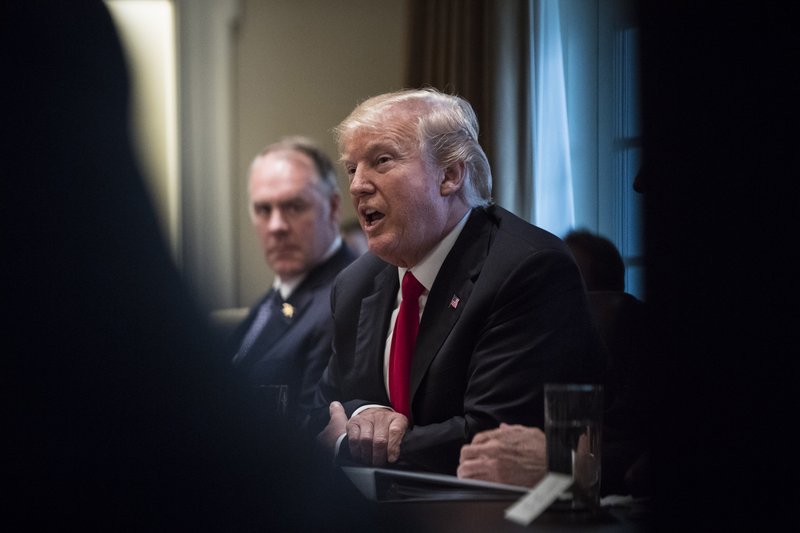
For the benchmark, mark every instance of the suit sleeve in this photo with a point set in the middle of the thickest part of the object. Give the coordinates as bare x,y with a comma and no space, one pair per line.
316,353
329,386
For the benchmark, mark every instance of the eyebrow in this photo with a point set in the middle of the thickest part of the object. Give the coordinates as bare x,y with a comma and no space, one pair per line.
383,143
298,199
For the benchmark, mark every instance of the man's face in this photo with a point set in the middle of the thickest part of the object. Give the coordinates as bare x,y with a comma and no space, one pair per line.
294,221
395,192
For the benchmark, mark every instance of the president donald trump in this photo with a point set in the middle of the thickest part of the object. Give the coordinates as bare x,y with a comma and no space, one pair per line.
459,312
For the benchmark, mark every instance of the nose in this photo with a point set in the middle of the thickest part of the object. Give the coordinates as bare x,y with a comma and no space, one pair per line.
360,183
276,222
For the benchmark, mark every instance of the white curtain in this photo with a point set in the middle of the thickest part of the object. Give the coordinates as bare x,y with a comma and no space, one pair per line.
553,207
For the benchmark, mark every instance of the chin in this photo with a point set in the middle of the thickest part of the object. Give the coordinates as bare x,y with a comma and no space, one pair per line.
379,248
389,255
285,271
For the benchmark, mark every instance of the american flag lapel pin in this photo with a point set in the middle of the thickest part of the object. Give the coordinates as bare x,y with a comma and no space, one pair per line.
454,301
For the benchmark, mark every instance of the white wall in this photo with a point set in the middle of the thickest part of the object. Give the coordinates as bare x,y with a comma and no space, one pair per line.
147,32
302,66
253,71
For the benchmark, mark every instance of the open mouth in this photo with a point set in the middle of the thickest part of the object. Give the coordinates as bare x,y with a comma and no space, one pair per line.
371,217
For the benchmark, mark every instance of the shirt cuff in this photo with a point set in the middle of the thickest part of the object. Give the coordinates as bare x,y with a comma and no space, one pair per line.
370,406
343,435
338,444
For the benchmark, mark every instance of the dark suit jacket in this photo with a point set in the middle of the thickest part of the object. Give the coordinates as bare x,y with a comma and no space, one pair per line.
521,320
295,350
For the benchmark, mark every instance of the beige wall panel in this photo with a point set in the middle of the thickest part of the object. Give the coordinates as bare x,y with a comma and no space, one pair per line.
302,66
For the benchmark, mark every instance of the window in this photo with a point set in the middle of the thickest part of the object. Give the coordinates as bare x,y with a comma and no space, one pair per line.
587,135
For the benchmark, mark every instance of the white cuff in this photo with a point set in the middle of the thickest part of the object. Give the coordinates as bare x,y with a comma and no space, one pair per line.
343,435
370,406
338,445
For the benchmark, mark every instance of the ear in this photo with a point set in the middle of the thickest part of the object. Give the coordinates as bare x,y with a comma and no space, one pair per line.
452,179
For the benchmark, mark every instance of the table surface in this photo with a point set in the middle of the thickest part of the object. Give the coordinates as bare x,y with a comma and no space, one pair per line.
488,516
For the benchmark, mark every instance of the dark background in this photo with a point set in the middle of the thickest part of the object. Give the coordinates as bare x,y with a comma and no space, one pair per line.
719,99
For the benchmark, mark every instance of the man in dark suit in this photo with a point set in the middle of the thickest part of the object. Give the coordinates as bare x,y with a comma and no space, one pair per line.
502,308
294,207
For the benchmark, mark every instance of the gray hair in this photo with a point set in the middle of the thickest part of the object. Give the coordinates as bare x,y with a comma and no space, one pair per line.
328,183
446,129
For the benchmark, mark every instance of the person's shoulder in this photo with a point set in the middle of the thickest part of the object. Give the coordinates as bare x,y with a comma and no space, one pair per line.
344,255
322,276
515,235
367,262
361,277
363,268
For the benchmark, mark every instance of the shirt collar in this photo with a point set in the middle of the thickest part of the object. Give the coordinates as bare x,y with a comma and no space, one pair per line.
426,270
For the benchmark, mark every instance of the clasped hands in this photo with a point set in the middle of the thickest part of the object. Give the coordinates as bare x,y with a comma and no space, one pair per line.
517,455
373,435
512,454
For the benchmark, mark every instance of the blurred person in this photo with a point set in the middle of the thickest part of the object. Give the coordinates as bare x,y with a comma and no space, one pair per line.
294,206
621,320
599,260
497,304
119,412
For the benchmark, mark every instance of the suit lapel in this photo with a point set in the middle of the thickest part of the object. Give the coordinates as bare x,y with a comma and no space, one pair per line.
292,310
277,325
450,293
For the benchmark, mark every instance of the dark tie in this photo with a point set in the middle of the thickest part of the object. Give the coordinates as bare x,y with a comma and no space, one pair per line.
267,309
403,340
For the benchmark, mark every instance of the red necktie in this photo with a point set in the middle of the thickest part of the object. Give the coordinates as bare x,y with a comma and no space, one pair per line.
403,340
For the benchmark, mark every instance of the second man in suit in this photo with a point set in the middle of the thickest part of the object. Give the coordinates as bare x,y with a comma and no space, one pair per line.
294,205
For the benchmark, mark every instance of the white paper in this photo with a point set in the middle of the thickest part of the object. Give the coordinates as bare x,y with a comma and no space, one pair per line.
539,498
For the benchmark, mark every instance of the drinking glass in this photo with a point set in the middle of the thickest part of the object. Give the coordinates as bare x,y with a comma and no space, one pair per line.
573,428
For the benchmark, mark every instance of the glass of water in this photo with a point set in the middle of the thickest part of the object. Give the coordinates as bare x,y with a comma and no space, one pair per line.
573,421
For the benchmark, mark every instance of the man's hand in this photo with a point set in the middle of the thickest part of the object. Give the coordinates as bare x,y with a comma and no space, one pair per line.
516,455
374,436
336,426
